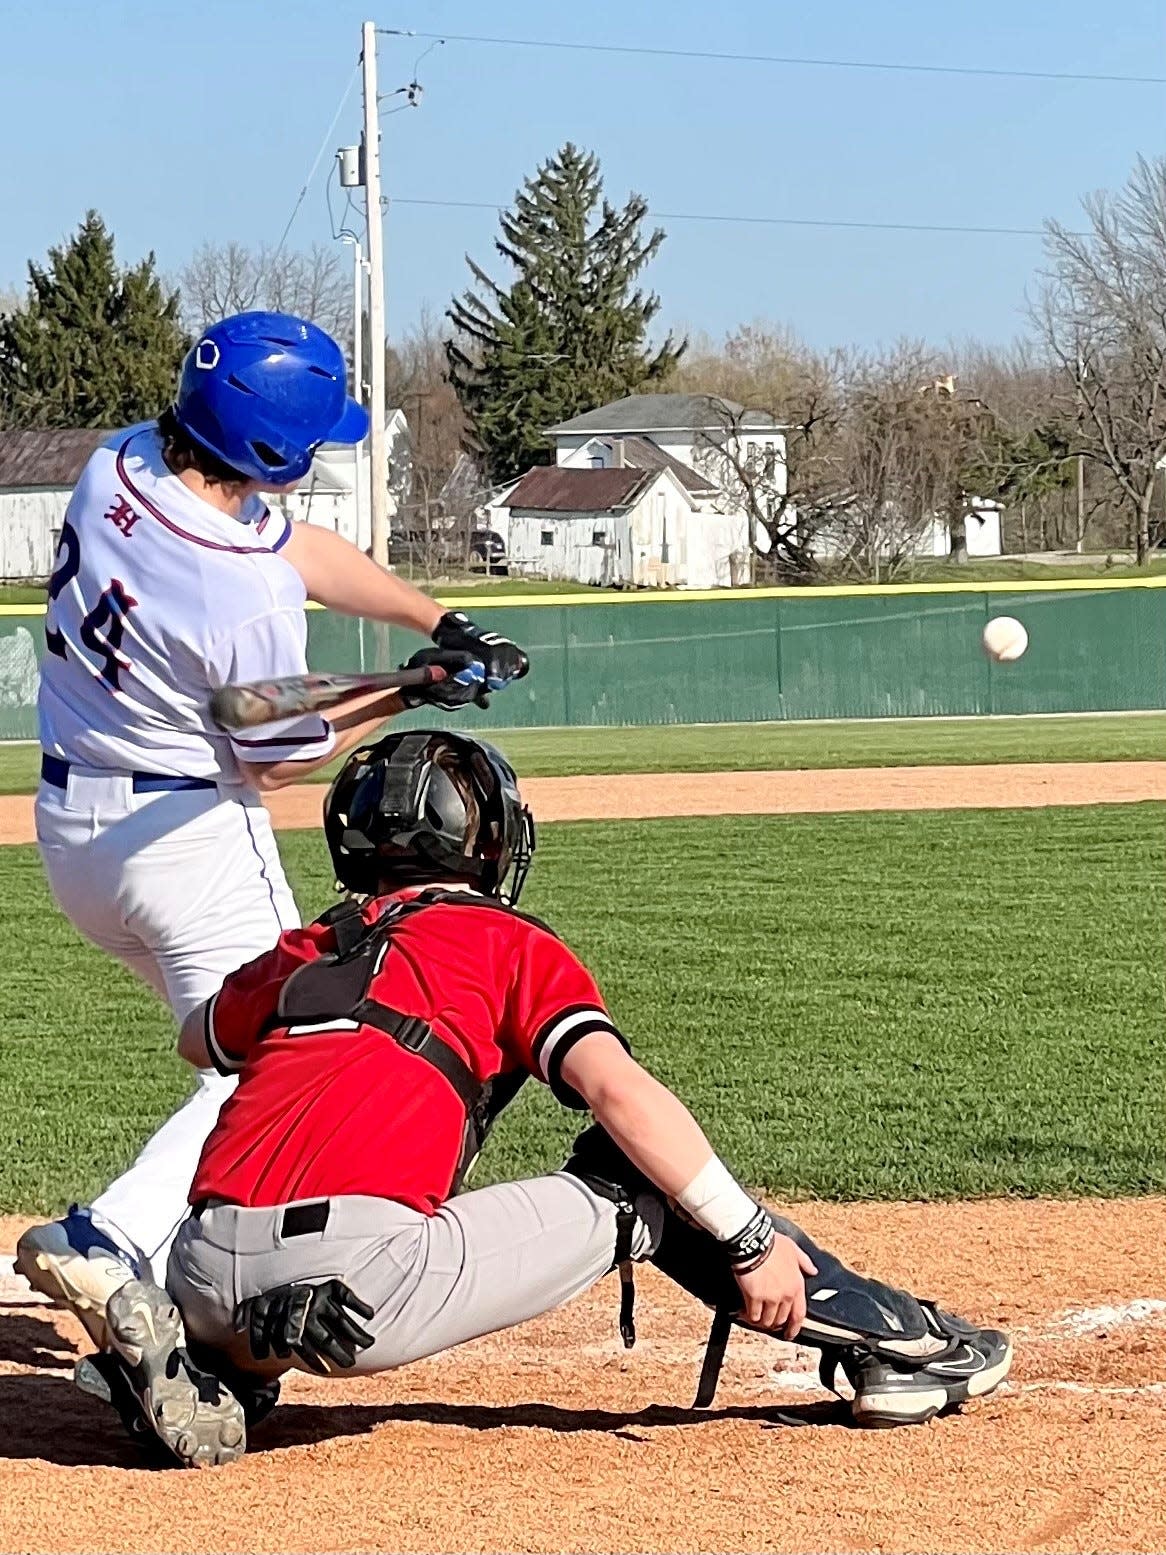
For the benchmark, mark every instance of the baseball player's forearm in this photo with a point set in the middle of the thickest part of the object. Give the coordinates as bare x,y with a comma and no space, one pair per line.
657,1133
192,1038
652,1126
341,577
354,721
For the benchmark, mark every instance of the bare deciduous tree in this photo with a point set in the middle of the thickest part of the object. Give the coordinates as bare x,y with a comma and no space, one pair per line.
878,450
228,278
1101,315
416,379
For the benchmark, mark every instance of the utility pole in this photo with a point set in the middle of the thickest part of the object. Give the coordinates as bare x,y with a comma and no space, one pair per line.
360,490
1080,457
378,452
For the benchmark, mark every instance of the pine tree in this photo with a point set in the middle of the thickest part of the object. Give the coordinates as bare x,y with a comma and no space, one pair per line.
92,345
570,331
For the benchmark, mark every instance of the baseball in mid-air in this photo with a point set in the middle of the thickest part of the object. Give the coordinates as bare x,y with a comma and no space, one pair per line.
1005,639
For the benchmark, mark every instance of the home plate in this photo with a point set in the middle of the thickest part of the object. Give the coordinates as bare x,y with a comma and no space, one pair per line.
1102,1320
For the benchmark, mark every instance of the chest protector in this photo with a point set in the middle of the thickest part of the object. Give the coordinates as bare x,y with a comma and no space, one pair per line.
337,986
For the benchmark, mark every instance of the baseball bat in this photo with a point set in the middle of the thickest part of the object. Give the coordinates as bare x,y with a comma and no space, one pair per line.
256,702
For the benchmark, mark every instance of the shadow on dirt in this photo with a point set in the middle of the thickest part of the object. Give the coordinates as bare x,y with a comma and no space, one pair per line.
301,1424
32,1341
44,1416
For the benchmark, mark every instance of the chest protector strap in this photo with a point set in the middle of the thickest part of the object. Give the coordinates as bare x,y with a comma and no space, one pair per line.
336,987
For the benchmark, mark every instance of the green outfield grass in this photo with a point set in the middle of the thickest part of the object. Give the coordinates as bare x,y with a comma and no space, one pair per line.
758,747
920,1005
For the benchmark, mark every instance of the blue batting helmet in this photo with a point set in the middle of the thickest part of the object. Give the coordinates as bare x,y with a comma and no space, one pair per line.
262,391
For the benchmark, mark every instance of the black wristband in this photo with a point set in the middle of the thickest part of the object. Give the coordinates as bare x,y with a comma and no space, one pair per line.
752,1244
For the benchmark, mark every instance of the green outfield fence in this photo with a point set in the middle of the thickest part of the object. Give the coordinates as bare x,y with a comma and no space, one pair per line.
749,655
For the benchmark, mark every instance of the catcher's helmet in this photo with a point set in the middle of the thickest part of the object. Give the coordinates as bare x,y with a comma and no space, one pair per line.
424,806
262,391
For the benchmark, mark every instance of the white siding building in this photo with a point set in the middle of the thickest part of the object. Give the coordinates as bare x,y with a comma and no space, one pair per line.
620,527
654,489
38,471
335,492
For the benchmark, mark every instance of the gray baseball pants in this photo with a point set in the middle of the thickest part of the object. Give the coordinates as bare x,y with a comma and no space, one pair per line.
486,1261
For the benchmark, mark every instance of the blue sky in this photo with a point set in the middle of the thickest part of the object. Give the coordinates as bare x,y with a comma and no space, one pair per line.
182,122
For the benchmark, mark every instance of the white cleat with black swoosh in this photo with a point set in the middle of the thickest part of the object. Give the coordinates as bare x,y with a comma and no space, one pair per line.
969,1362
193,1415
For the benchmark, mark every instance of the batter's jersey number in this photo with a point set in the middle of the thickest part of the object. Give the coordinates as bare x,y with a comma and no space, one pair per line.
103,628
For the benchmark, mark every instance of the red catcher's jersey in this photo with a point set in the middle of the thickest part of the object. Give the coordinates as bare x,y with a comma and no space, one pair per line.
326,1112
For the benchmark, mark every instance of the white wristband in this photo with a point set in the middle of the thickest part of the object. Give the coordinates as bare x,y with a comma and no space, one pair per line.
717,1202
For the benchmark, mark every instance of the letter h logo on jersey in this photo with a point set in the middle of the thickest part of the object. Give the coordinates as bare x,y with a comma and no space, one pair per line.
122,515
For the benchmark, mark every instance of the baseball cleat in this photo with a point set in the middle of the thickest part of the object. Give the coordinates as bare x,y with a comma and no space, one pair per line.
190,1411
889,1391
76,1265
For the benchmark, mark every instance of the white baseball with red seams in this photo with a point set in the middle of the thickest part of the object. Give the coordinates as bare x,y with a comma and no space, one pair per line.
157,599
1005,639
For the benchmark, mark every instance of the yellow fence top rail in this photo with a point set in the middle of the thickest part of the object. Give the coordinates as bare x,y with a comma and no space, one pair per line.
830,591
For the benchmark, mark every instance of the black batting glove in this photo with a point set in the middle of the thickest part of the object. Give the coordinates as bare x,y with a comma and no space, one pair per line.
464,683
504,661
313,1322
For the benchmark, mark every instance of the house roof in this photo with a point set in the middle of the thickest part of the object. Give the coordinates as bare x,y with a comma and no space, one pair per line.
558,489
665,413
641,454
54,456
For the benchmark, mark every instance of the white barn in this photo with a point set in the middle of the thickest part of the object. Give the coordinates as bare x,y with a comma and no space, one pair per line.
38,471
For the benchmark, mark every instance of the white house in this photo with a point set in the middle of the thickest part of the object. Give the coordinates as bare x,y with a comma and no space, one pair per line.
898,536
335,493
719,439
637,528
669,486
982,531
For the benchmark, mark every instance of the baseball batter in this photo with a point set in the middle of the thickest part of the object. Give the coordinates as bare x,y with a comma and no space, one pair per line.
375,1048
173,577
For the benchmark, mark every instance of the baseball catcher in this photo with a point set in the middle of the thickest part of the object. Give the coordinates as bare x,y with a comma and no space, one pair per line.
374,1050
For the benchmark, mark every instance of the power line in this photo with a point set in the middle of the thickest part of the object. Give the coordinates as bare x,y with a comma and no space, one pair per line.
783,59
312,170
774,221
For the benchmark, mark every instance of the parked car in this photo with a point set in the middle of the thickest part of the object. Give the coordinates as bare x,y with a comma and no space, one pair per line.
440,551
488,552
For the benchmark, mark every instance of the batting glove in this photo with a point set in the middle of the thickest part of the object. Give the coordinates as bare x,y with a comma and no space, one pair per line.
503,660
464,683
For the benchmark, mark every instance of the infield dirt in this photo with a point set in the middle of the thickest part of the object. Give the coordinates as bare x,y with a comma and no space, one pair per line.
637,796
553,1437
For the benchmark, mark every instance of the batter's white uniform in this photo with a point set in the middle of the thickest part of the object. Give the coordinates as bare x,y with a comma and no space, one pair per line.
154,845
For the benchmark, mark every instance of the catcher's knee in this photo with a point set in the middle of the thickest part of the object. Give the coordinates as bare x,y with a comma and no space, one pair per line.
597,1161
843,1308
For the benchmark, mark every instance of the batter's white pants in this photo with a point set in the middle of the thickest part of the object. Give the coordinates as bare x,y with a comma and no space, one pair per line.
183,888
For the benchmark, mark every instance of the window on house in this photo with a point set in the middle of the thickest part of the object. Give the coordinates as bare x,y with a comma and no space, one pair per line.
599,537
770,462
548,537
597,461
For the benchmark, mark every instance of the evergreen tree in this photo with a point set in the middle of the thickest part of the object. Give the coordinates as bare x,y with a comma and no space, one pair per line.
570,331
92,345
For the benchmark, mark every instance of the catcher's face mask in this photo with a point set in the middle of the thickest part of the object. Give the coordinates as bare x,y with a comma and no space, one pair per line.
428,805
